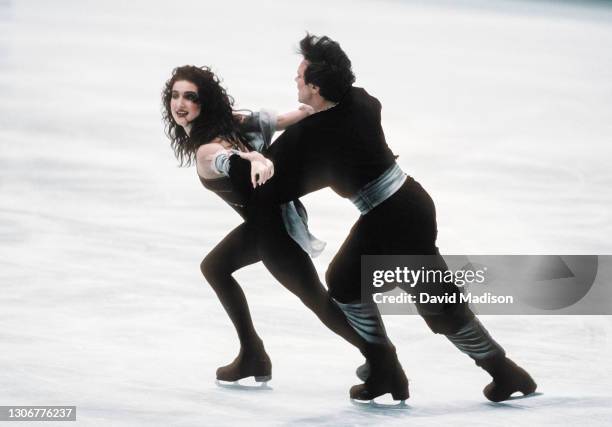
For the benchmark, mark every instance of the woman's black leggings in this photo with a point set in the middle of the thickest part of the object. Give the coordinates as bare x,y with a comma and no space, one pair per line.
287,262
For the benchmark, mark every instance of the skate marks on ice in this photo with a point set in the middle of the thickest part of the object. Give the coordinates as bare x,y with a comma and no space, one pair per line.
460,411
362,414
530,404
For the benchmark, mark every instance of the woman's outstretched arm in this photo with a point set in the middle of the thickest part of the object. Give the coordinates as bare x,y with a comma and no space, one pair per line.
215,160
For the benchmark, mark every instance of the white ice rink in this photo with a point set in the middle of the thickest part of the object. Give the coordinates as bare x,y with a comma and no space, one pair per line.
501,109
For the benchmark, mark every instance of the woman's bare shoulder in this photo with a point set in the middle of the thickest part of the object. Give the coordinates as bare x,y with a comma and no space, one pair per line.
211,148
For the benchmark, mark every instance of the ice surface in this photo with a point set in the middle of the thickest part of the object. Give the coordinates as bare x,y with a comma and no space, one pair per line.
502,110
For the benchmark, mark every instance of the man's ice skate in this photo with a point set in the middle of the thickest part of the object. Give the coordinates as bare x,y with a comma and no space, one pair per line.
247,364
385,376
364,394
508,378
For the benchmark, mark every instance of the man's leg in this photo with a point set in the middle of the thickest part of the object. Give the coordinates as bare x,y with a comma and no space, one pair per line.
384,372
406,225
475,341
466,332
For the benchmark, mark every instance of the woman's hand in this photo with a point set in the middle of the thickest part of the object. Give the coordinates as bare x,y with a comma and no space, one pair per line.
283,121
252,156
261,171
307,109
262,168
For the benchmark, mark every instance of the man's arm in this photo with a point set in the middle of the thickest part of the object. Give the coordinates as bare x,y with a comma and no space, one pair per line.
283,121
300,165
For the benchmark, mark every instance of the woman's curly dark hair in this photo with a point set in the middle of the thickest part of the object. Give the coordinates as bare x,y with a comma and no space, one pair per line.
216,118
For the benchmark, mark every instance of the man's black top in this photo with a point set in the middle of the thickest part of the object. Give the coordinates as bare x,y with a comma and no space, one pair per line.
343,148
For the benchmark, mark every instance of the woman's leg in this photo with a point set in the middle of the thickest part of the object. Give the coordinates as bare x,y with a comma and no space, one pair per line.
234,252
293,268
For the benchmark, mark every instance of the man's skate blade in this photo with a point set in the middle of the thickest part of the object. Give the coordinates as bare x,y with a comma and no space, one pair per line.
250,383
518,396
381,402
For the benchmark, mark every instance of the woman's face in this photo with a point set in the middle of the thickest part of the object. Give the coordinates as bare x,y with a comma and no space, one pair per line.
185,104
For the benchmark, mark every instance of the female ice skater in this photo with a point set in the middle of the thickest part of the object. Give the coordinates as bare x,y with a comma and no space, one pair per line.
204,129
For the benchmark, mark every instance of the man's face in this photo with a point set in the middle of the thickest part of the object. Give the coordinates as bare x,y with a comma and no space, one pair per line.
305,91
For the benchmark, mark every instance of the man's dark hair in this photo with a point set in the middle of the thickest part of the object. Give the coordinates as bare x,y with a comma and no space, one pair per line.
328,66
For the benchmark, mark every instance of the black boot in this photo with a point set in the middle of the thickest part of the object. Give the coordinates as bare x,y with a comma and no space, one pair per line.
382,372
508,378
475,341
385,375
367,322
250,362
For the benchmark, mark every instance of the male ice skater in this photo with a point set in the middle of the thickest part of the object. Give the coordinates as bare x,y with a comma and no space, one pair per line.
343,146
